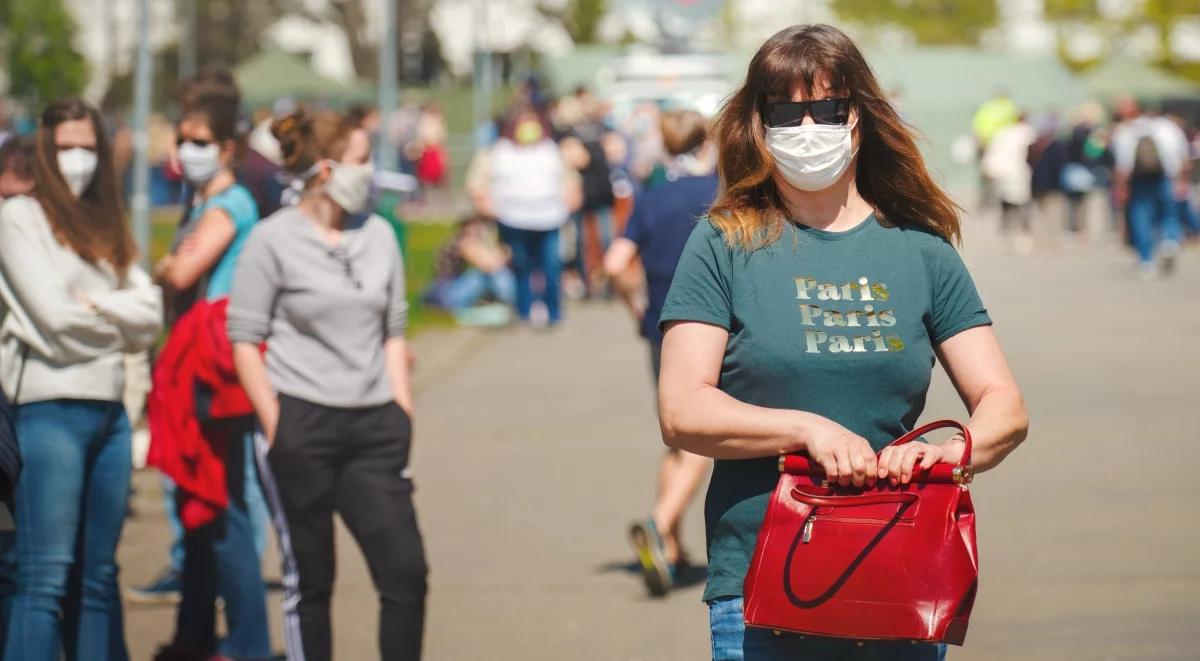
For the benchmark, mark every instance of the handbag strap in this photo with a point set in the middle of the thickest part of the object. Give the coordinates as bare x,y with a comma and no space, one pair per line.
965,462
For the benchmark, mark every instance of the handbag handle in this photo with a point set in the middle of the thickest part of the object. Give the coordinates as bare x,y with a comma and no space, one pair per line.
961,473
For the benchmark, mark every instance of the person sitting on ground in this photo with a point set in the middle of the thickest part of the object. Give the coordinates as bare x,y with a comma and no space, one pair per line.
473,265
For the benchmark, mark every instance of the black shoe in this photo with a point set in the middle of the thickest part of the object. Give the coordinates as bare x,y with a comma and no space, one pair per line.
166,589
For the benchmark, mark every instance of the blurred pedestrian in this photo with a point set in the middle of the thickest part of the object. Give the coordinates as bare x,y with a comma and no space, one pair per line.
471,266
322,284
1047,160
16,166
77,304
1006,165
662,220
219,554
806,312
524,183
587,143
1185,192
1151,168
1084,174
428,148
992,117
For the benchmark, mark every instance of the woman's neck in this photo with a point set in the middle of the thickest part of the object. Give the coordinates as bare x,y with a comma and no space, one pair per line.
324,212
220,181
837,208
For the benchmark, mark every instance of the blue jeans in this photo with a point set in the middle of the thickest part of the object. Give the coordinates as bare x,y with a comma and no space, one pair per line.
535,250
256,504
733,641
220,559
70,506
1153,215
466,290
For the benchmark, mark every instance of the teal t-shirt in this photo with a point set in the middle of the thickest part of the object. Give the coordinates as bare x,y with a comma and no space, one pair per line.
243,211
840,324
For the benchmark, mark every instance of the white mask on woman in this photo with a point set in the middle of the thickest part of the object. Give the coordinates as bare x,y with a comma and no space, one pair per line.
199,164
78,166
350,186
811,157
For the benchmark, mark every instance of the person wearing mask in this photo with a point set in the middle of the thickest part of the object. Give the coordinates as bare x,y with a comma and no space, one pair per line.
77,303
16,167
1150,167
526,185
219,551
322,284
662,220
806,312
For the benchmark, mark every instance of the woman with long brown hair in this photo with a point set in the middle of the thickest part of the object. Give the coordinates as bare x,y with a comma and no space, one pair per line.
807,310
77,304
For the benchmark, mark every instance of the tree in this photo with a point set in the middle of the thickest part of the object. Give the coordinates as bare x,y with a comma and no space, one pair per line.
583,19
38,45
930,21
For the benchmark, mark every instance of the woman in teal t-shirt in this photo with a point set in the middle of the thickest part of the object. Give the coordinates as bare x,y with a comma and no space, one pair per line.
219,557
806,312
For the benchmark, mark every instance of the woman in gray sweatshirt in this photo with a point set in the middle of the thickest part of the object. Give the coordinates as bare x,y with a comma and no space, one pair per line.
322,284
77,303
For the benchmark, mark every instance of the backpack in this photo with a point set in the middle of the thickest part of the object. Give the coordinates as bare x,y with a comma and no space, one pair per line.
1146,162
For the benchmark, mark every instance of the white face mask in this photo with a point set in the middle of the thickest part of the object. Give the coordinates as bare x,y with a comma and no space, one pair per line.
350,186
78,166
199,164
811,157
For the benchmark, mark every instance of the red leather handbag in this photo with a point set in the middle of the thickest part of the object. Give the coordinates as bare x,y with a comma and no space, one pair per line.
868,563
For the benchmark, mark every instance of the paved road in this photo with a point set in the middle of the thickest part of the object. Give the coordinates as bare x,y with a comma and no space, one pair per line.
534,451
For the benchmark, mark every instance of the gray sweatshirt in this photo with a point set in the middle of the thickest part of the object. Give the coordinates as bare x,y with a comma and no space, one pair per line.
324,311
69,323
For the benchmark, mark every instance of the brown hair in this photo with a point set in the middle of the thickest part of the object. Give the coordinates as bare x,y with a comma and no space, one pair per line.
891,174
17,155
93,224
307,138
682,131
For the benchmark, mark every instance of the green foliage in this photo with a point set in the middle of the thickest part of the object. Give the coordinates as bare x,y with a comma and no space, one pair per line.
1057,10
583,18
930,21
38,45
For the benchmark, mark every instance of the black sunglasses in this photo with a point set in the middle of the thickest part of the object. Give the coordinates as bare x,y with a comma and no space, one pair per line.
791,113
199,143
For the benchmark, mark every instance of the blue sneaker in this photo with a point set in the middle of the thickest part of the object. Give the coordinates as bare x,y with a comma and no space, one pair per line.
648,546
166,589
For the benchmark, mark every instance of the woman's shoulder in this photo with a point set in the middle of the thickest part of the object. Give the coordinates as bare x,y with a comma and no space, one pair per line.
239,203
23,212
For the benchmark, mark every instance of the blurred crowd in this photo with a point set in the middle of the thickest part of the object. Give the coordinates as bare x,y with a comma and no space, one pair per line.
1060,182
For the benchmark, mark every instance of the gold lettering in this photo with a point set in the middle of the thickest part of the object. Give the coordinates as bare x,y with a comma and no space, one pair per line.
813,341
864,290
804,285
809,314
852,318
877,339
828,292
834,318
887,318
872,320
839,344
847,293
881,291
860,343
895,344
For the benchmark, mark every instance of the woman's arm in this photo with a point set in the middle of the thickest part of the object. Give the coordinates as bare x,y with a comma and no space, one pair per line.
59,324
252,373
136,309
975,364
199,252
698,417
396,357
625,281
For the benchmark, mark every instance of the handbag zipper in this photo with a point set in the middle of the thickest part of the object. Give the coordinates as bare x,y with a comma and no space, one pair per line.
806,532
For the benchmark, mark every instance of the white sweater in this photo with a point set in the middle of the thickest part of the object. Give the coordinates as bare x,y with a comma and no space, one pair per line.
68,323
